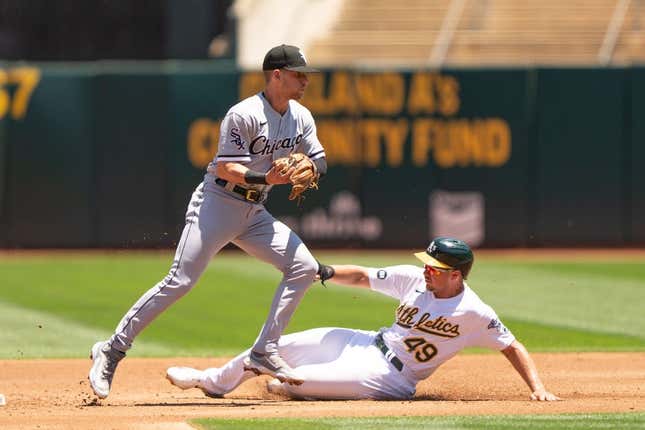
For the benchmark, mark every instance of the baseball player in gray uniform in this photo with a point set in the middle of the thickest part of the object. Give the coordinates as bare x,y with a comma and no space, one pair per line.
228,207
438,315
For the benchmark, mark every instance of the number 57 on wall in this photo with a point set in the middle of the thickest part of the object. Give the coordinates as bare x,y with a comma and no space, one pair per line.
24,80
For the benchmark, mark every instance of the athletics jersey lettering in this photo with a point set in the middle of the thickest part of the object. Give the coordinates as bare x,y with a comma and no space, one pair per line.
405,315
439,326
262,145
428,330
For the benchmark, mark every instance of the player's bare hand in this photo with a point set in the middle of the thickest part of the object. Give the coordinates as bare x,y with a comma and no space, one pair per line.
543,395
276,176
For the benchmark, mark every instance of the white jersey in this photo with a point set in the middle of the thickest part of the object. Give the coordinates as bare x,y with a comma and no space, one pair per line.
340,363
429,331
254,134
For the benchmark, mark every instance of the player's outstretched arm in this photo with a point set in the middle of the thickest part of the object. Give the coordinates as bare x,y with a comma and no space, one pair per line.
348,275
519,357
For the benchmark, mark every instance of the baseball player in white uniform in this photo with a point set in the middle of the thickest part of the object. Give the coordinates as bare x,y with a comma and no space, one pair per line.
228,207
438,316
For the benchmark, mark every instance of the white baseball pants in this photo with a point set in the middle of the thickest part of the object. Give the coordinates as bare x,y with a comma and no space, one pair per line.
336,363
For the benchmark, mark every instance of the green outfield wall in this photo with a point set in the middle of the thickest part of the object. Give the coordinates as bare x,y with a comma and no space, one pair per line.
634,156
107,154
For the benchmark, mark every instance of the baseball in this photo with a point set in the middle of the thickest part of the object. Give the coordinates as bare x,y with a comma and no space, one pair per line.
3,400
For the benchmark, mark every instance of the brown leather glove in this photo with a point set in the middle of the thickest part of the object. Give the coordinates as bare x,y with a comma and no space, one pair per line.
304,176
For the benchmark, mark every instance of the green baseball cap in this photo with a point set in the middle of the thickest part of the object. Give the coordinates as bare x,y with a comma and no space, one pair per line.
448,253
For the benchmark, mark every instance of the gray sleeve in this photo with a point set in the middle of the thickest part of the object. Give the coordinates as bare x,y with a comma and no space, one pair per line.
321,165
234,140
311,145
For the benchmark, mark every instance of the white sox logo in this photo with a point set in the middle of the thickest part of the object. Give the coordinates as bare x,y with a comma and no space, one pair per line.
405,317
236,139
262,145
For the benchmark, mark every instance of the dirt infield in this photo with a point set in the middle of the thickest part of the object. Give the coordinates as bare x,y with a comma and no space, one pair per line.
54,394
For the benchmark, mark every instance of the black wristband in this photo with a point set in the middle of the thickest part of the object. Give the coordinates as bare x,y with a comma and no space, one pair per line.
325,272
253,177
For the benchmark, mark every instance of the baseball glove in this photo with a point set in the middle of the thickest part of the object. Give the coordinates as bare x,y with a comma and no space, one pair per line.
304,176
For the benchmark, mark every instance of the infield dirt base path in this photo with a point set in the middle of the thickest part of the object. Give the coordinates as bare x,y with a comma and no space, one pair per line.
54,394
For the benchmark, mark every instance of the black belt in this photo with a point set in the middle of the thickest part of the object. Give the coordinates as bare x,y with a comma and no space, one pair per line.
387,352
249,194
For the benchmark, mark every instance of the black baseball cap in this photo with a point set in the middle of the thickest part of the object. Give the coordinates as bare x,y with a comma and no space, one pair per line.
448,253
286,57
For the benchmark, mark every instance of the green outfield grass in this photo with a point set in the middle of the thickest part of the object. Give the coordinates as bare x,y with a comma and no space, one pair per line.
57,305
631,421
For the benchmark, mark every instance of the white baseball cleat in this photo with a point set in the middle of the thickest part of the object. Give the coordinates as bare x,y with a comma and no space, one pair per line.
105,359
274,386
272,365
187,378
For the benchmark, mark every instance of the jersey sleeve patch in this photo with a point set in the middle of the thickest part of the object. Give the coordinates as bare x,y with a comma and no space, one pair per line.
381,274
497,325
235,138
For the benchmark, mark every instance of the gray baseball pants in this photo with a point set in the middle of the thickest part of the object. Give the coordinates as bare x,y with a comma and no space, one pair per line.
214,218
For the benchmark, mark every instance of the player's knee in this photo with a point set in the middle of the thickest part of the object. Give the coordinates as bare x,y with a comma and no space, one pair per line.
307,267
178,284
310,266
304,267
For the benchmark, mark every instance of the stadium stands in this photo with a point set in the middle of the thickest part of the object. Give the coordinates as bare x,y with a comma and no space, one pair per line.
631,43
381,32
484,32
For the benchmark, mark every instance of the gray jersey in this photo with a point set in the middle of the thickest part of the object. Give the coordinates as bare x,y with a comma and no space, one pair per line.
219,213
254,134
